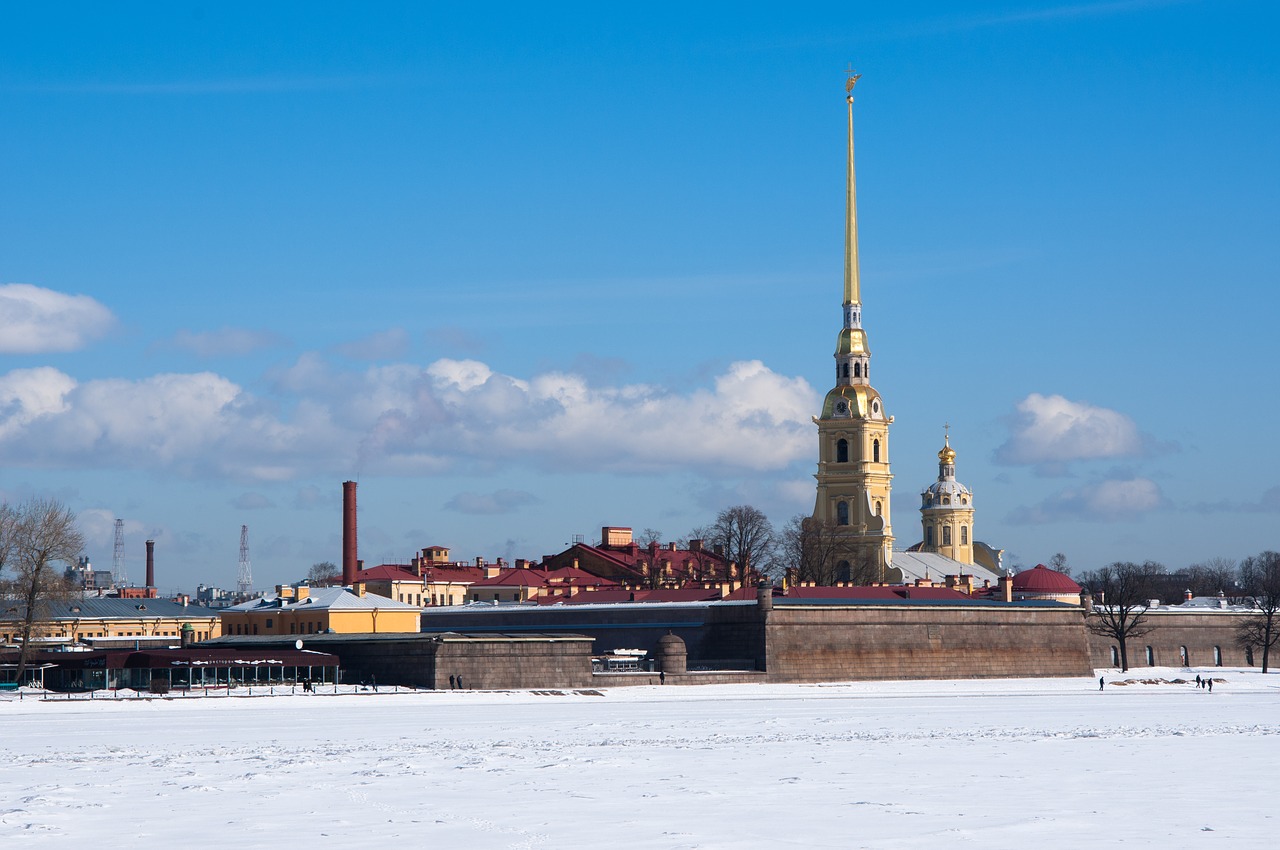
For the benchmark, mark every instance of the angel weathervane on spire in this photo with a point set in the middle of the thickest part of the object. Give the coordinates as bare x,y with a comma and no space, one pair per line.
853,79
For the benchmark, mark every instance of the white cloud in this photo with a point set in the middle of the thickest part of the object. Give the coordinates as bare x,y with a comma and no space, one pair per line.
497,502
1109,500
34,320
225,342
403,419
1054,430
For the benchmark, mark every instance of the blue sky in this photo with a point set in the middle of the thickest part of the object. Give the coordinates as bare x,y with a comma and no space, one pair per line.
529,271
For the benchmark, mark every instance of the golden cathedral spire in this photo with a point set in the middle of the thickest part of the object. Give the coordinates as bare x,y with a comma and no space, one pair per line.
852,287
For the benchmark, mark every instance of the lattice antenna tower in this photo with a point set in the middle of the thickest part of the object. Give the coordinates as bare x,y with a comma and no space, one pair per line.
118,574
244,583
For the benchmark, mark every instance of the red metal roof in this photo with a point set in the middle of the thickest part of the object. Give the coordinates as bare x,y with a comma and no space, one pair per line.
514,578
386,572
893,593
1041,579
684,594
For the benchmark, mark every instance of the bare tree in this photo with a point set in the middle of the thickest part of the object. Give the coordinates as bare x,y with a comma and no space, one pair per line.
1059,562
324,574
651,566
704,562
1260,578
746,537
34,538
811,547
1122,593
648,537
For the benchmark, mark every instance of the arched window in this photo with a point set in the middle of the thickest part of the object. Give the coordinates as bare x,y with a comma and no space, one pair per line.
845,370
879,508
928,536
875,451
946,535
1151,657
844,572
1115,656
842,513
842,450
964,535
1217,656
857,370
1182,654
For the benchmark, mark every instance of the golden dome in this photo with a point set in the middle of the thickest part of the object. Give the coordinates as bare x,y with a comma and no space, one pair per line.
948,454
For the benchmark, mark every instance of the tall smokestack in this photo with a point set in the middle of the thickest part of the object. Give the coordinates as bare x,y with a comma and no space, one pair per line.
151,563
349,550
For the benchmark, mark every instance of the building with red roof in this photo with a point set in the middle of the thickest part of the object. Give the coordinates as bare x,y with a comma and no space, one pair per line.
619,558
1040,582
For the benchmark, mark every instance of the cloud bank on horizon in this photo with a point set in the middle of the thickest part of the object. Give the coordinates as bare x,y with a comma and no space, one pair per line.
401,419
398,419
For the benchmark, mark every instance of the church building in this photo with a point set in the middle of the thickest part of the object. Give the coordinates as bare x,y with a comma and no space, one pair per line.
854,478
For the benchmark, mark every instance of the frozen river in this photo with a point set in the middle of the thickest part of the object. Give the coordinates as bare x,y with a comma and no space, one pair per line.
1020,763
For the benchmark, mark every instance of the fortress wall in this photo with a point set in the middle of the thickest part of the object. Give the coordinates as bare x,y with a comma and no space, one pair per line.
840,643
1199,631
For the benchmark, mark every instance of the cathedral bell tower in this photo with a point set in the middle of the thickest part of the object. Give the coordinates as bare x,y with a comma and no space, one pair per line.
946,511
853,431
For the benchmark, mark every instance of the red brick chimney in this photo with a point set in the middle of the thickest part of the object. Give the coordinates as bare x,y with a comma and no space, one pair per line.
349,565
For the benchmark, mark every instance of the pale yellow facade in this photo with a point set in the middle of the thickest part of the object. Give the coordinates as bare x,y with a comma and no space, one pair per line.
204,624
289,613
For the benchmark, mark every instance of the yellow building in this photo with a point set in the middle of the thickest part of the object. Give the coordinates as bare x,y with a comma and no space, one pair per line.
104,617
319,610
854,478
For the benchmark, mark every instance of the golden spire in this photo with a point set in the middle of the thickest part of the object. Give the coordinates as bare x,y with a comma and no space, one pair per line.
852,287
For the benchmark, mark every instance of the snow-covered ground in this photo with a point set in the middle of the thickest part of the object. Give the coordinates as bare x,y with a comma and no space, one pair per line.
1011,763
